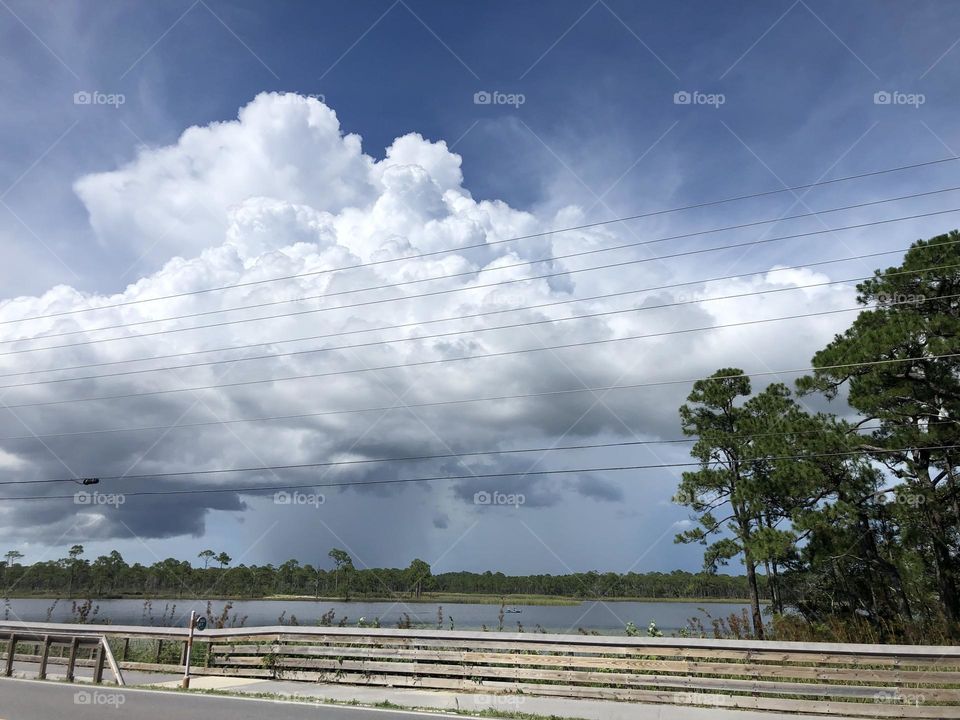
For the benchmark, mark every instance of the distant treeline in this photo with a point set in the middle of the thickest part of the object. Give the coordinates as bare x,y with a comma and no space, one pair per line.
110,575
673,585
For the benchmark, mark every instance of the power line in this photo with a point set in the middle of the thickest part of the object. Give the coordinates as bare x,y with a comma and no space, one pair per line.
443,456
438,361
432,293
472,476
467,273
420,363
464,401
470,316
710,203
453,333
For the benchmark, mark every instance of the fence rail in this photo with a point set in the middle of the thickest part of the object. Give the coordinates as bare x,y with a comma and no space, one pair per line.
845,680
70,646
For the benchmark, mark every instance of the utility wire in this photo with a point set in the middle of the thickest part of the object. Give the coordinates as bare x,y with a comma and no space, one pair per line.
438,361
470,316
405,458
472,476
435,292
466,273
454,333
709,203
524,263
463,401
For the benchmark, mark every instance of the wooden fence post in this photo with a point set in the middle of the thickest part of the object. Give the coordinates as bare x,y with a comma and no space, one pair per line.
123,651
72,660
42,675
98,665
159,647
11,649
187,650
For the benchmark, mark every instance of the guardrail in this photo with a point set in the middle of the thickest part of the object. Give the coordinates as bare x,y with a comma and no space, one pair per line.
881,681
70,646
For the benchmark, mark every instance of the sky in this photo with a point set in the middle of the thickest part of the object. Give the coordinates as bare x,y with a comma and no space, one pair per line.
163,150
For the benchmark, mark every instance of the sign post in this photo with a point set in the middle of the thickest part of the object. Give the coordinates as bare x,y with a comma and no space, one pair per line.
186,665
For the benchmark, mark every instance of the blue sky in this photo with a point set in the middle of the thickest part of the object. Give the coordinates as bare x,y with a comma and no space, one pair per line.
598,80
598,129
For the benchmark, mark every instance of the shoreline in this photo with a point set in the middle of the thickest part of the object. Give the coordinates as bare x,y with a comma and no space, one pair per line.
450,599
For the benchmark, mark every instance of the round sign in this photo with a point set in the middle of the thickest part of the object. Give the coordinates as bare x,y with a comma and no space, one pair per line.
201,623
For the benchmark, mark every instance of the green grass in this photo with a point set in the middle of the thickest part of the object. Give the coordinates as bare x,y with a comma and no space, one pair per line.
384,704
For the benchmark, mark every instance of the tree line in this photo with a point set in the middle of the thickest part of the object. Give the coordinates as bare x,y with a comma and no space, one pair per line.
851,517
111,576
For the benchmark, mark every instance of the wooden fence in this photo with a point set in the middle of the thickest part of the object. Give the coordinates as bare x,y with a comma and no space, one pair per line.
846,680
60,648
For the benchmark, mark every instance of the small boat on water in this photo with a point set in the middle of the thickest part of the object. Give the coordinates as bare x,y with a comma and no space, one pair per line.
512,611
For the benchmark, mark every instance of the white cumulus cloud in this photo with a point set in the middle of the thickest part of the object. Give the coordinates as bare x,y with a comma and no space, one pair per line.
282,191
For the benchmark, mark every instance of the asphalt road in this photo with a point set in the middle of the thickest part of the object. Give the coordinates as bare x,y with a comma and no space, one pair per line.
36,700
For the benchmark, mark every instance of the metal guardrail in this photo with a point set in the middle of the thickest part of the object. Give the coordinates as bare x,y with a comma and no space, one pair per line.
846,680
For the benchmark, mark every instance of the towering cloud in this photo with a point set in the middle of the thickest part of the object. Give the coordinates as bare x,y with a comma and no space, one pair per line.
282,192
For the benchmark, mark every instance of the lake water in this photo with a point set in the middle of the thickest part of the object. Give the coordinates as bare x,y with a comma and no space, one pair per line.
604,617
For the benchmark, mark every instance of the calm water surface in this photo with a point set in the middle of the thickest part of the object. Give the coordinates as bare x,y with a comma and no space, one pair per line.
606,618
